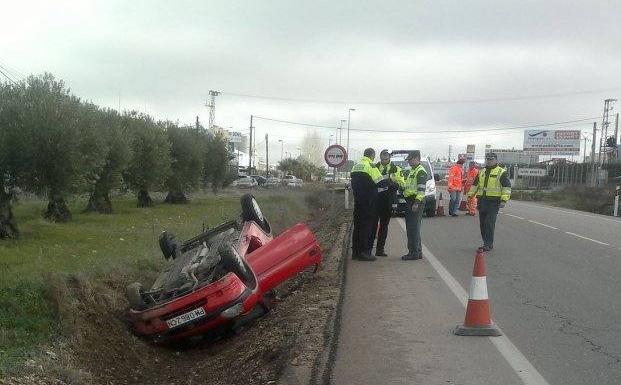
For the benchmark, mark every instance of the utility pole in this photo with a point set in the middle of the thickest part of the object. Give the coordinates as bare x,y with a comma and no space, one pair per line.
616,150
281,148
348,125
212,107
585,148
450,152
250,147
198,124
593,169
267,157
340,132
603,148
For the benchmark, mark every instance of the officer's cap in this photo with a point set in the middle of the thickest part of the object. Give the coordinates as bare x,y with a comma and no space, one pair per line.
413,154
491,155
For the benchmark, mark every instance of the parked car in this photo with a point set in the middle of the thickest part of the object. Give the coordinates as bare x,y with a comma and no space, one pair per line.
272,182
292,181
398,207
222,278
260,179
246,182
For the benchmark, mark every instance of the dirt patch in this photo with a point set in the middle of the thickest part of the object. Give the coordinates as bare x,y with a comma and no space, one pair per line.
97,346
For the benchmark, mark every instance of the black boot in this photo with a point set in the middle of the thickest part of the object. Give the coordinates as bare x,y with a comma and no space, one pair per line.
380,253
364,256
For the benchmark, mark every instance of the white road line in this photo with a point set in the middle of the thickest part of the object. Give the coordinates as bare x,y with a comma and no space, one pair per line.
570,212
520,364
514,216
543,224
587,238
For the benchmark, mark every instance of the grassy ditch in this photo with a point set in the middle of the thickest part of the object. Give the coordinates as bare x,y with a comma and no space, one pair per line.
53,266
595,200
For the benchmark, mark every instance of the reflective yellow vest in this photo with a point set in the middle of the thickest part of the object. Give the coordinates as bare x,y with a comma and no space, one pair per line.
493,188
397,174
366,166
412,187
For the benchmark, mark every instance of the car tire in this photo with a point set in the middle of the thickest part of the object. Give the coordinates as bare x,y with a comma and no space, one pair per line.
133,293
252,212
232,261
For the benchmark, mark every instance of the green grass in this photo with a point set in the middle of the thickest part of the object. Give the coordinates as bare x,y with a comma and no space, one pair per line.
98,245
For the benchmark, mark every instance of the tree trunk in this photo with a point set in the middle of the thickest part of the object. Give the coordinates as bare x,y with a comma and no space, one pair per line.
176,197
99,201
8,226
57,210
144,200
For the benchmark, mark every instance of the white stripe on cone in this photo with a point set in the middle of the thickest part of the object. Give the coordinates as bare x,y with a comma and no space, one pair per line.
478,288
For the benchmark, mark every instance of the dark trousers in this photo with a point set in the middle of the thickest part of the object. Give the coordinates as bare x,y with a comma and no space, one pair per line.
381,222
362,236
413,222
488,211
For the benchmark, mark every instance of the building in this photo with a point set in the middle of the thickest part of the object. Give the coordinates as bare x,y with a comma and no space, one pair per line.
514,157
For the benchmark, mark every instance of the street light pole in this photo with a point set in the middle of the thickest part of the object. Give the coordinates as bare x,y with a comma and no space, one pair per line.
330,140
348,125
299,152
281,148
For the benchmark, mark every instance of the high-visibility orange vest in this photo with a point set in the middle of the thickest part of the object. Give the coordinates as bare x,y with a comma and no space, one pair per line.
455,177
472,174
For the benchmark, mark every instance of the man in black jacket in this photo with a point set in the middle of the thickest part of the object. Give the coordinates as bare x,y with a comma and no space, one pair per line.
385,197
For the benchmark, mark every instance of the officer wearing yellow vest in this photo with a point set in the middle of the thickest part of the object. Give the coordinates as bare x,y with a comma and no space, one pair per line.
385,198
492,187
414,194
365,181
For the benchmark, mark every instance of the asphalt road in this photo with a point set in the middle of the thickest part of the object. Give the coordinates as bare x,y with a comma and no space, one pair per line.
554,280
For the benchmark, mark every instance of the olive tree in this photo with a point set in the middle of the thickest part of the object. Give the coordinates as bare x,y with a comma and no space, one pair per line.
186,162
149,165
116,154
13,157
216,160
61,136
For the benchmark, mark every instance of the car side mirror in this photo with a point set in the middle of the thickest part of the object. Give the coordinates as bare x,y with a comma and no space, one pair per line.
436,177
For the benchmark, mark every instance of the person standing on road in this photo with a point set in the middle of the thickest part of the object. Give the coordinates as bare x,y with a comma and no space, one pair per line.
365,180
455,185
473,171
385,197
493,190
414,194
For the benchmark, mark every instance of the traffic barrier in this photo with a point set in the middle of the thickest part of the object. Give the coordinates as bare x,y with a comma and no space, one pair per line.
478,321
440,208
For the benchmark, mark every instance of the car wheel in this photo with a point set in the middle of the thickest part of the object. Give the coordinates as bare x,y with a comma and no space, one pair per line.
252,212
134,296
233,262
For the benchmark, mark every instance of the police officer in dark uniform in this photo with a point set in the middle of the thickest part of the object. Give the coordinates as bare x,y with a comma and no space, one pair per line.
385,197
365,180
492,188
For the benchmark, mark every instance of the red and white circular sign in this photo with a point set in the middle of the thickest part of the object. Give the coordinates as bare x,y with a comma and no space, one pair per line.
335,155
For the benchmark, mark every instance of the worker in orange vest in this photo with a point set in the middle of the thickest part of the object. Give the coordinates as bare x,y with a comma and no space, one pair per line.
455,185
473,171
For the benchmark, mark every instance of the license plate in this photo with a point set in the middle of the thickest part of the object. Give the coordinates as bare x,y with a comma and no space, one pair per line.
185,318
401,200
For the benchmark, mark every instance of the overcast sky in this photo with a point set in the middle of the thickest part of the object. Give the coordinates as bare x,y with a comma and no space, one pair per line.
163,57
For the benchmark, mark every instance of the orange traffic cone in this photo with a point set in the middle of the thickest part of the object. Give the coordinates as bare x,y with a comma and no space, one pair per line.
440,209
478,321
463,205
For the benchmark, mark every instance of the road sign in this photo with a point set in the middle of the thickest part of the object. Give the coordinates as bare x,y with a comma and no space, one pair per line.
552,142
335,155
470,152
532,172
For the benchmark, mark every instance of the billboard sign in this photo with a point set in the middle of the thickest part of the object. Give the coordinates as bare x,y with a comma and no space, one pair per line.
235,137
335,156
532,172
552,142
470,152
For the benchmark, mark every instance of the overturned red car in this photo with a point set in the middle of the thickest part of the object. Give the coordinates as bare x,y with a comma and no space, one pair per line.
222,278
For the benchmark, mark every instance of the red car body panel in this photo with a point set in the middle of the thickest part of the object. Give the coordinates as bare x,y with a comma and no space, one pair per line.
272,261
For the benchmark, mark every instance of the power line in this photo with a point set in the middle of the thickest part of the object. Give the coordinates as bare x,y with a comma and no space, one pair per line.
430,101
7,76
430,132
